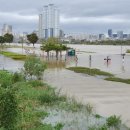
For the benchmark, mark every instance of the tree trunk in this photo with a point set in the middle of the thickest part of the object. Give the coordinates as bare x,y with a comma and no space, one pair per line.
60,53
48,54
57,53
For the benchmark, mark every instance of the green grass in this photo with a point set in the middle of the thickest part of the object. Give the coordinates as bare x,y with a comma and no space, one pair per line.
89,71
127,81
29,97
15,46
94,72
128,51
34,95
13,55
28,94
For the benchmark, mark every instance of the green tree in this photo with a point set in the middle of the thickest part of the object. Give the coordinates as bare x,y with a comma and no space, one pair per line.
32,38
2,40
34,67
8,38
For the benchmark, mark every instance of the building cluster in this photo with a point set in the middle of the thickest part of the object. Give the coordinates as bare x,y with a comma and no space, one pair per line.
80,36
49,26
97,37
18,37
120,35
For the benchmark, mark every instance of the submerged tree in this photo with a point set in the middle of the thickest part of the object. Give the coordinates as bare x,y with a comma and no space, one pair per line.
53,44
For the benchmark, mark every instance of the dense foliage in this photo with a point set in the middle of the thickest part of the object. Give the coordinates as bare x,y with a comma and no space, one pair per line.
8,38
34,67
2,40
8,101
8,109
32,38
53,44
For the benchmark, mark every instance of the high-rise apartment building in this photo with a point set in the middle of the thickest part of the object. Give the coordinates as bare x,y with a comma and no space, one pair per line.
110,33
6,29
40,31
120,34
49,22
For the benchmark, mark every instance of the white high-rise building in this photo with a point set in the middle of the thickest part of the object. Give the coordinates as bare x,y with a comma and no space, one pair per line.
6,29
120,34
49,22
40,32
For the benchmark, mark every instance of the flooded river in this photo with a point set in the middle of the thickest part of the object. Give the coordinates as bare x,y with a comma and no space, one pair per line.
108,97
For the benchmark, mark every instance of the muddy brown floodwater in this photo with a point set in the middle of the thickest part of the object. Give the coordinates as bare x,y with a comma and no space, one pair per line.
107,97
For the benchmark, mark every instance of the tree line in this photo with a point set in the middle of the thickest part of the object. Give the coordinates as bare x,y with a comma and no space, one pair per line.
103,42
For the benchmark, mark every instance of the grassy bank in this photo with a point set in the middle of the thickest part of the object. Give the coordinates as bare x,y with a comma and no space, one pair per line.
128,51
89,71
127,81
15,46
38,101
13,55
33,95
93,72
30,96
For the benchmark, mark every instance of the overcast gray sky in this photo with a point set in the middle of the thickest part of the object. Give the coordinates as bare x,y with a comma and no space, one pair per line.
90,16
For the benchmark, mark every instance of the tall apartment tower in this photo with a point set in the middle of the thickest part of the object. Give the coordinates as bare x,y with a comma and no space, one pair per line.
110,33
6,29
40,31
49,25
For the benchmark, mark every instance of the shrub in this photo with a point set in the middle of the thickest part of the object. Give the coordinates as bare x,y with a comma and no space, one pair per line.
17,77
113,121
35,83
49,96
8,109
5,79
34,67
104,127
59,126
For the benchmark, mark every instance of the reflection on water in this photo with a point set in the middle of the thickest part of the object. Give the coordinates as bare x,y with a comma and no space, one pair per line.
56,64
10,64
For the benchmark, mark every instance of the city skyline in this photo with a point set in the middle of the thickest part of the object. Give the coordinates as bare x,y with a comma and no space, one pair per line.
87,16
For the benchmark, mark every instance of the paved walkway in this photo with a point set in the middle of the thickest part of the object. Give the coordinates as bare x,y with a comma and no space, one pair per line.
108,97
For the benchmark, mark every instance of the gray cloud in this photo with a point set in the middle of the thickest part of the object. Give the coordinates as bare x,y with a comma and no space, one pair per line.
91,16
